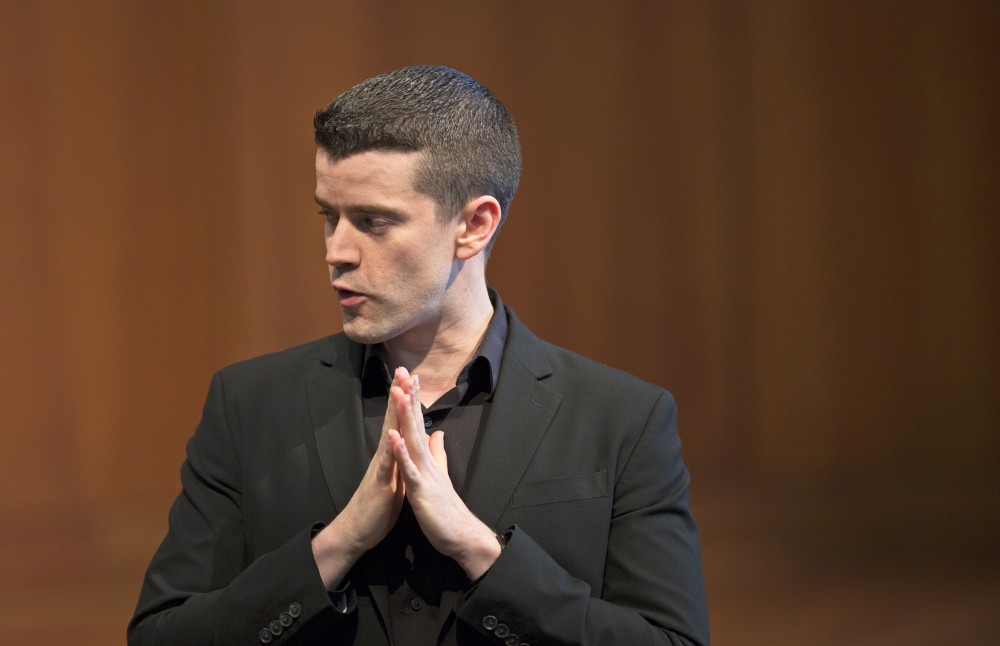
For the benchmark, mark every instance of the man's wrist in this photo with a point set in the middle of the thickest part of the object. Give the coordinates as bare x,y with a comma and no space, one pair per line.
334,555
483,553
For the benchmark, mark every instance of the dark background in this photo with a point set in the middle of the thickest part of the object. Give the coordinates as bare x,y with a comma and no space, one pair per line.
784,212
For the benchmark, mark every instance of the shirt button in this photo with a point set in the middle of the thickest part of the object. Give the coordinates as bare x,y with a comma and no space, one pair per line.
427,422
416,603
489,622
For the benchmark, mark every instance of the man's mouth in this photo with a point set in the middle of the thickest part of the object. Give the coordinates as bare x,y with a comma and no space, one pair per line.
348,298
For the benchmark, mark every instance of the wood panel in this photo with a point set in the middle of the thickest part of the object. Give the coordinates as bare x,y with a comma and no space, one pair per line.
784,212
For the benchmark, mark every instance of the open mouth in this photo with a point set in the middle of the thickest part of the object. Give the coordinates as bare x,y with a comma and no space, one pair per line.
349,298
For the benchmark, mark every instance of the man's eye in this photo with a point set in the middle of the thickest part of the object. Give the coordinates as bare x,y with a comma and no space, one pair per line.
375,223
328,216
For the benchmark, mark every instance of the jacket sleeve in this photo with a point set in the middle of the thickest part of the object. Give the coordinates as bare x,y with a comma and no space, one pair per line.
200,587
653,588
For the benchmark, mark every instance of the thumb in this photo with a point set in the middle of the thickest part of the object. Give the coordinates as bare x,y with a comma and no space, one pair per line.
436,446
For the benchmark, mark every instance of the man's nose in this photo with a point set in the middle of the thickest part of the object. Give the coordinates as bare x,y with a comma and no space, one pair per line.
341,248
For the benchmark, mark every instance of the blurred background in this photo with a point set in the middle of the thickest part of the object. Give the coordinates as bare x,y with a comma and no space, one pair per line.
785,212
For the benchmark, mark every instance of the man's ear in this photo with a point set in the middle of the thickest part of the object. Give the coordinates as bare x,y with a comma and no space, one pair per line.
476,225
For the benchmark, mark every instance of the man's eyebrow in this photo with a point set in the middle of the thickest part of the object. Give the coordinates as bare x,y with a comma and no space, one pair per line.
359,208
373,209
322,202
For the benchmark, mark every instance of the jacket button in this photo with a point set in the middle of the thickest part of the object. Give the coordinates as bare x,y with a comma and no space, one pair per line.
275,628
427,422
265,636
502,630
295,609
489,622
416,603
285,619
511,640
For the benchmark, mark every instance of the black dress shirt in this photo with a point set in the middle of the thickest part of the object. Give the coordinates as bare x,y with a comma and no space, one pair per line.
415,573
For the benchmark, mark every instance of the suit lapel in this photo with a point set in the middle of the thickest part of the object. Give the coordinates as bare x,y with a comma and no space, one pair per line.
522,409
337,418
335,408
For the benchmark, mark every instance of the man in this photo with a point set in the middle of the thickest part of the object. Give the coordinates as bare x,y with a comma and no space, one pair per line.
546,501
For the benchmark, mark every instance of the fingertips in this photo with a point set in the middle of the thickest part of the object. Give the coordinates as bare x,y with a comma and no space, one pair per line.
415,395
404,380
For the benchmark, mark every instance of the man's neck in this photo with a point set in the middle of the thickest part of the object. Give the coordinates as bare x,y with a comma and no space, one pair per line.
438,356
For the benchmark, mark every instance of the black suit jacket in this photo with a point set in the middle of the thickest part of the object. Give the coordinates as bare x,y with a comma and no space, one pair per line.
581,459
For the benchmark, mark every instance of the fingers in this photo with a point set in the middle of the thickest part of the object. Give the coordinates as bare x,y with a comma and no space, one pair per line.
386,470
408,471
415,473
410,419
415,409
400,486
417,452
400,379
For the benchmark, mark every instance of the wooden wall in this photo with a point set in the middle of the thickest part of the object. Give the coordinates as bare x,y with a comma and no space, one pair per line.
785,212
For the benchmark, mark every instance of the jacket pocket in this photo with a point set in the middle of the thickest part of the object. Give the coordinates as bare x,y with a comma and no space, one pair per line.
562,489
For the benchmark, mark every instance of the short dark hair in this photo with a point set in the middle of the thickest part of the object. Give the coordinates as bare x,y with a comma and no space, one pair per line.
468,138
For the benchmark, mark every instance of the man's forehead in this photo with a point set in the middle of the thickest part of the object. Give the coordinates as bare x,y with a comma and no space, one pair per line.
378,177
390,168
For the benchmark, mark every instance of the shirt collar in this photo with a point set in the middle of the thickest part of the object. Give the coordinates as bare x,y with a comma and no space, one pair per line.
481,373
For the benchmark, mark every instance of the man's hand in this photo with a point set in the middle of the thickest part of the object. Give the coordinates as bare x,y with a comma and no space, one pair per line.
373,509
422,462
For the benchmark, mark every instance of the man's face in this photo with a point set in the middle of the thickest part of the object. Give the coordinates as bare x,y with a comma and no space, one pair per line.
390,258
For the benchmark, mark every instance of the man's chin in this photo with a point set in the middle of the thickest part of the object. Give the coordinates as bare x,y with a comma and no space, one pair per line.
356,331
